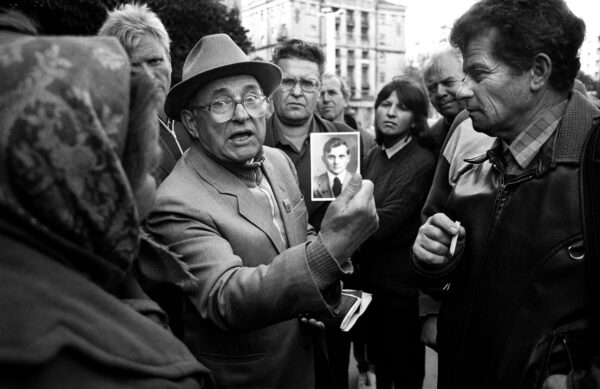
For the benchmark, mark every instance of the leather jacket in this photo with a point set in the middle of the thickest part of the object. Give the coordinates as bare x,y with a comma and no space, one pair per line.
516,305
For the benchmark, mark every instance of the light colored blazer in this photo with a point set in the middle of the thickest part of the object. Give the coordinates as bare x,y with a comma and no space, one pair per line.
321,188
241,317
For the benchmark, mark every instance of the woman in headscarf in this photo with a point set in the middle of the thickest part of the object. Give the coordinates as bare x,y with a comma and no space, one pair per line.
78,138
401,169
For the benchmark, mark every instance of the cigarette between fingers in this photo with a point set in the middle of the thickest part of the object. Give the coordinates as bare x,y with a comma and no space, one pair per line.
454,240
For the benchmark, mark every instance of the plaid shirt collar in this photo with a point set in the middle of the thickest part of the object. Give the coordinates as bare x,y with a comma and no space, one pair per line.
527,144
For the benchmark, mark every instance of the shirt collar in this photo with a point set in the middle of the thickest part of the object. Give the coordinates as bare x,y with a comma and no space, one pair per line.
390,152
280,139
527,144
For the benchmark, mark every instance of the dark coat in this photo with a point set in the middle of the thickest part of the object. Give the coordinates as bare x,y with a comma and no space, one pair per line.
60,330
515,307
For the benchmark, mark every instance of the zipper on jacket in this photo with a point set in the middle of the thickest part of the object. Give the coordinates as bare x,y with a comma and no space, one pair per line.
502,195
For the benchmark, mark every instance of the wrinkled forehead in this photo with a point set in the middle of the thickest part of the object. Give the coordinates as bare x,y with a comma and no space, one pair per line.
332,83
442,66
232,86
299,67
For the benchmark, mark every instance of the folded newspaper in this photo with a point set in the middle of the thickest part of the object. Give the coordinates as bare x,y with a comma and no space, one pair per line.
355,303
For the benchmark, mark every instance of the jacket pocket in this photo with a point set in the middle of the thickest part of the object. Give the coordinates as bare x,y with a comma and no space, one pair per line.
299,208
234,370
563,350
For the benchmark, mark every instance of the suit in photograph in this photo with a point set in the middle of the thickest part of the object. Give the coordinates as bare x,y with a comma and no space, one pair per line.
321,188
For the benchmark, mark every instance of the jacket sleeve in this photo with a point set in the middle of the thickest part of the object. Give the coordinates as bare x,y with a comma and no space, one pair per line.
235,296
432,280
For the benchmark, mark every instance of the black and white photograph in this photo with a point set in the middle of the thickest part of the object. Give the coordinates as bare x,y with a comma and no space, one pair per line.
335,159
308,194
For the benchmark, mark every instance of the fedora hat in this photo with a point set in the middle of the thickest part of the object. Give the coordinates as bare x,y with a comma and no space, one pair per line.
213,57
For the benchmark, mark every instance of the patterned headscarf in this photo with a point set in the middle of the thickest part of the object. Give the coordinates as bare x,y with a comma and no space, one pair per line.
64,106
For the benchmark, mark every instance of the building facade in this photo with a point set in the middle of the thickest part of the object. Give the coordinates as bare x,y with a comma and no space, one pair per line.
368,41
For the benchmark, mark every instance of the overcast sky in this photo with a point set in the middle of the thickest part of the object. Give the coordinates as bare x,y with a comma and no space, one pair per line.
422,15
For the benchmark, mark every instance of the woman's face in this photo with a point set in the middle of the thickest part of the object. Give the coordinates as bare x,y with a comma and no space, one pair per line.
392,118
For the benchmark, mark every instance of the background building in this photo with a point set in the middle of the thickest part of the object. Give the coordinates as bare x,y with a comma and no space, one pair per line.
368,41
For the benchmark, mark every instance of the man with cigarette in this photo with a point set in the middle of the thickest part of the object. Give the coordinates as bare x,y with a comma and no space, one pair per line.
517,306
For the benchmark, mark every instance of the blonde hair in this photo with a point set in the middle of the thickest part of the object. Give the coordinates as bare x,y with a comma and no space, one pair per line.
129,22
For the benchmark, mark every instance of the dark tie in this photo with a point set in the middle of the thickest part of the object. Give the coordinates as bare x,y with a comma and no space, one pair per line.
337,187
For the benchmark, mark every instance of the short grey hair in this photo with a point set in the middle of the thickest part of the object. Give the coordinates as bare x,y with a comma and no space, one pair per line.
438,59
129,22
344,86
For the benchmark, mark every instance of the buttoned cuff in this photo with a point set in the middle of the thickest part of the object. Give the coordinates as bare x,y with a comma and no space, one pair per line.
324,267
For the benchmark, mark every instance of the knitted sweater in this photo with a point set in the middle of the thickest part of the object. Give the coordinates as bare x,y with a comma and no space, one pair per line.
401,186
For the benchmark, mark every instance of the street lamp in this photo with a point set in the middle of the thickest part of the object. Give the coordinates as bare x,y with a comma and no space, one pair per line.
330,16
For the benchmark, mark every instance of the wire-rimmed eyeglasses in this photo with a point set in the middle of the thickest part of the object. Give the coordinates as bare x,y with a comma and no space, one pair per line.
223,108
306,84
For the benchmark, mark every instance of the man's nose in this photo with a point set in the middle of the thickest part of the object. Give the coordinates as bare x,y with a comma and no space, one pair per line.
464,91
239,113
296,90
440,90
146,69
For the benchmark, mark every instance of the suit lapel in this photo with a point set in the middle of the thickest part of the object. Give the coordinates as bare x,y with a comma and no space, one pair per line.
283,203
324,189
227,183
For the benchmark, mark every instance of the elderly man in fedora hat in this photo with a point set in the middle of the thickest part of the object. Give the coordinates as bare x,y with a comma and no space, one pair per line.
232,210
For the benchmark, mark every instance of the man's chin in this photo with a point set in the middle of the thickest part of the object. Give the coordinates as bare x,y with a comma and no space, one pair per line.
328,114
295,120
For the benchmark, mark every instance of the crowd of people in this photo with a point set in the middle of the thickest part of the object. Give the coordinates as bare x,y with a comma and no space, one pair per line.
159,236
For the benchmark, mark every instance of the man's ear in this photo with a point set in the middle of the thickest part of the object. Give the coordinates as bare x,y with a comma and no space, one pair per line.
540,71
189,122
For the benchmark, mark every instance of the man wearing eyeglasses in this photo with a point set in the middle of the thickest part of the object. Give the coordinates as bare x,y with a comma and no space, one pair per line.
233,212
289,129
295,117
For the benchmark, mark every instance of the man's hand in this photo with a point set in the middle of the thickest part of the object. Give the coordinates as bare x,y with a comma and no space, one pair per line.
555,381
314,323
350,219
429,331
433,240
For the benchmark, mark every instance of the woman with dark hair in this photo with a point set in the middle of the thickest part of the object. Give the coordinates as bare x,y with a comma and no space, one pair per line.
401,170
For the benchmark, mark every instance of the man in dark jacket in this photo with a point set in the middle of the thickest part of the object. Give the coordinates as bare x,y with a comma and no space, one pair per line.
289,129
294,119
516,301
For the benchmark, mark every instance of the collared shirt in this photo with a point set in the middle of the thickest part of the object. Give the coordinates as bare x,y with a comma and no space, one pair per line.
341,177
265,188
300,158
390,152
529,142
